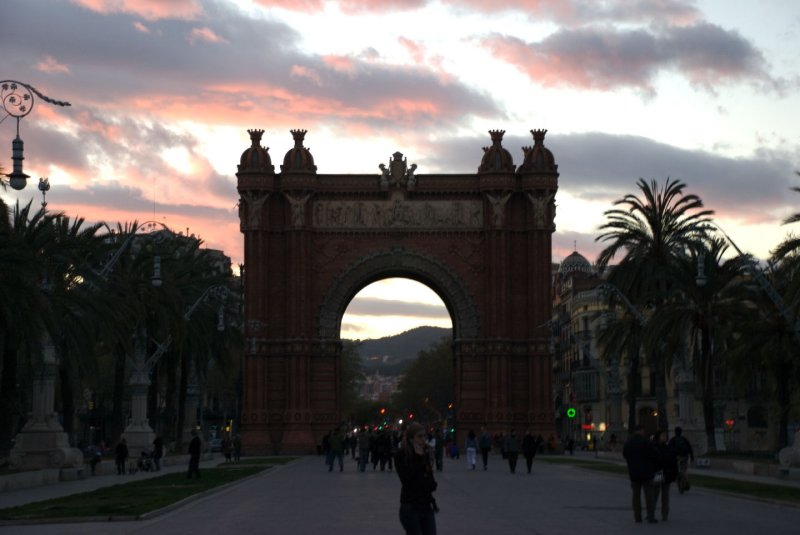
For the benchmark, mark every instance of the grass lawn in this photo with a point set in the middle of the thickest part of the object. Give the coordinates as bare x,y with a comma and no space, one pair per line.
136,498
790,495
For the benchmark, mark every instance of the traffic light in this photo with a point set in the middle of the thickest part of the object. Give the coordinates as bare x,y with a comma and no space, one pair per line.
571,413
383,410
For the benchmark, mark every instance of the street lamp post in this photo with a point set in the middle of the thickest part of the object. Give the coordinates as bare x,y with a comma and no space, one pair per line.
17,101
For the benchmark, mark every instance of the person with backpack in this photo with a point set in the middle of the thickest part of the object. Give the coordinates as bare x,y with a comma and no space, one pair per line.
684,453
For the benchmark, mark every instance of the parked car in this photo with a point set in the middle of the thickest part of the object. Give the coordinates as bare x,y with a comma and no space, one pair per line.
215,444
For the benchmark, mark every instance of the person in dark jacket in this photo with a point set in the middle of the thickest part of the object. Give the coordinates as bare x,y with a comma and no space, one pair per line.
642,459
194,455
413,465
120,456
529,447
669,465
511,449
485,444
158,452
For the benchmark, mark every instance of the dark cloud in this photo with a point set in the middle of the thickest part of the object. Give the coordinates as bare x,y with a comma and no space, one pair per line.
607,58
580,12
604,167
372,306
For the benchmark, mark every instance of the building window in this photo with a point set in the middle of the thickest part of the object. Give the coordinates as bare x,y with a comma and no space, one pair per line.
585,385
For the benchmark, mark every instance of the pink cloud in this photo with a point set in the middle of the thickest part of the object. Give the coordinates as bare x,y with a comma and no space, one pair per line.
50,64
339,63
605,59
304,72
139,27
416,50
147,9
205,34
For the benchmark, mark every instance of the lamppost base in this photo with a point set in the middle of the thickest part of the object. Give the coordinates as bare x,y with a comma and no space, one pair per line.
37,447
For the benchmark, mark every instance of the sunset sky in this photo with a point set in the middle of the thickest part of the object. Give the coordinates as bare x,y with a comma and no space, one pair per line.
163,91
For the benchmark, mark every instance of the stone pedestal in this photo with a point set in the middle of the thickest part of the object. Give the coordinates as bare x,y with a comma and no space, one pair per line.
42,443
139,435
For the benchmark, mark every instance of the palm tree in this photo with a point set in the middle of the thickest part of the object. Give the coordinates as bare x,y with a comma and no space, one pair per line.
73,304
23,306
652,231
792,243
766,345
620,342
704,297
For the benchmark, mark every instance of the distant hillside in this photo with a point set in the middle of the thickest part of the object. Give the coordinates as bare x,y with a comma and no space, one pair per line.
391,355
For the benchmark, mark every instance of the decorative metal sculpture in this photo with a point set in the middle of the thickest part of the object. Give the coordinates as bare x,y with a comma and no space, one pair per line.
17,101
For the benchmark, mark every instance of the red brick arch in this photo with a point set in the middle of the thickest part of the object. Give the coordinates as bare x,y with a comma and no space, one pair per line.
481,241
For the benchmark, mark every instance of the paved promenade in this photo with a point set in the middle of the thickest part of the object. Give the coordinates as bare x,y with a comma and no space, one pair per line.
303,497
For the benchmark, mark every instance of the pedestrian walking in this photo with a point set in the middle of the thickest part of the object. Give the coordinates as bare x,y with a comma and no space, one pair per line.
158,452
336,445
485,445
471,447
529,447
194,455
683,450
363,449
237,448
642,459
668,460
227,449
413,463
121,456
438,449
511,448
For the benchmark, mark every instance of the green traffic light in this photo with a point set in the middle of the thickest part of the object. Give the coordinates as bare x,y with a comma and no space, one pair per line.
571,412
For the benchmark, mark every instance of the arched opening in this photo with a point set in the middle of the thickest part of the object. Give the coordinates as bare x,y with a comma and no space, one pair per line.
397,356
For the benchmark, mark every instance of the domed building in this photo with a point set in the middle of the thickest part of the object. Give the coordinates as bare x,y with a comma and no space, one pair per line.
582,413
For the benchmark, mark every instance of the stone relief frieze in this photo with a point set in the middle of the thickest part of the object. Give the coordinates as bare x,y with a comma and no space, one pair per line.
398,213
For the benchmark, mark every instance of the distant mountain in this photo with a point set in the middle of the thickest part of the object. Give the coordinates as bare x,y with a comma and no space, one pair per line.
391,355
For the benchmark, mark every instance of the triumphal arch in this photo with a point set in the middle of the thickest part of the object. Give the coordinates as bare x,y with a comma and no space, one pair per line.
481,241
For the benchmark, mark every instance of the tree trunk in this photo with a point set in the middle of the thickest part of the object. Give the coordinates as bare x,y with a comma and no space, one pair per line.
182,391
8,393
661,395
152,401
67,398
118,396
707,371
783,398
633,391
171,409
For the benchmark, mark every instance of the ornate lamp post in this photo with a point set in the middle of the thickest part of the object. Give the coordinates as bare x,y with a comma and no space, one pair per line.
17,101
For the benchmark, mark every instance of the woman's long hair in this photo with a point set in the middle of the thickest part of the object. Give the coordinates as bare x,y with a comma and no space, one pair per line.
408,437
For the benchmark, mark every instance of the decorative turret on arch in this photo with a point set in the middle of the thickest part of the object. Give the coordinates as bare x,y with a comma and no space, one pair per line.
538,158
496,158
256,159
298,159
